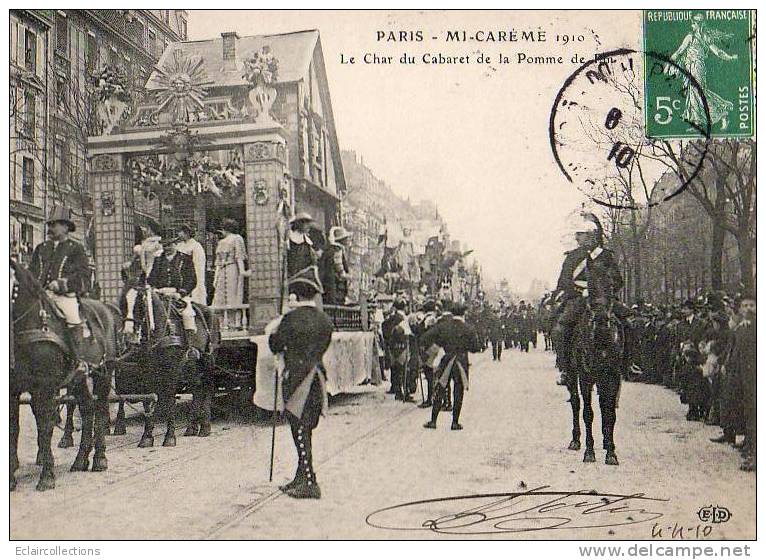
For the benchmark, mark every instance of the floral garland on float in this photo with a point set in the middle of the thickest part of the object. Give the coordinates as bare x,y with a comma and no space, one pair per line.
156,177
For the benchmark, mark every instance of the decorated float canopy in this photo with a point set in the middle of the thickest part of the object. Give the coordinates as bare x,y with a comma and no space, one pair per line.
222,76
244,124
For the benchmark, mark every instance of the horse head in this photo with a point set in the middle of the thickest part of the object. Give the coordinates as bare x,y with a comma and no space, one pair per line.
26,291
606,336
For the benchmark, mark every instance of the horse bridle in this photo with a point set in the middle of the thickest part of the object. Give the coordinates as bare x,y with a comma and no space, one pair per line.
42,298
159,340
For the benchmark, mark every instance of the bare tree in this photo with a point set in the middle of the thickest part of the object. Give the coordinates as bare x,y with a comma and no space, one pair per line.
725,189
58,146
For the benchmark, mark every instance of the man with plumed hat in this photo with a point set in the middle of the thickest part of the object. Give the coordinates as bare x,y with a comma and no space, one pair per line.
60,265
302,336
590,256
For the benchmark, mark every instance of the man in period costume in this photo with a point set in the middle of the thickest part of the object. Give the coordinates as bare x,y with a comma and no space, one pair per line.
496,335
302,336
333,267
134,273
60,265
397,336
173,275
456,339
427,320
573,283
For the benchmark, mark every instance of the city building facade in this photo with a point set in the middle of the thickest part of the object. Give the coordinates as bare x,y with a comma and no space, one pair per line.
56,57
378,218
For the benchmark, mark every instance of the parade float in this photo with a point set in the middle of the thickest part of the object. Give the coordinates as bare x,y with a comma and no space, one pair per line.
235,129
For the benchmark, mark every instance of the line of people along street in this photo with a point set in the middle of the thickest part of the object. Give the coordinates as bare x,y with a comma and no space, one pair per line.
703,348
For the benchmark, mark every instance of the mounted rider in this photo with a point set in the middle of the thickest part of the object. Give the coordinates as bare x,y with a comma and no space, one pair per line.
60,265
173,275
134,273
572,288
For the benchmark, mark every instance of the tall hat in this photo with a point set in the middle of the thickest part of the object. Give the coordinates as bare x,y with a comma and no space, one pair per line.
301,217
306,278
338,233
63,215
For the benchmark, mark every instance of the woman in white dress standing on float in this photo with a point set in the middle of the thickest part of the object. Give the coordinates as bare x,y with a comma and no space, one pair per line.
230,271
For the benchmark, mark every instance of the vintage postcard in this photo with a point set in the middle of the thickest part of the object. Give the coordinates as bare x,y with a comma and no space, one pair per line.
384,275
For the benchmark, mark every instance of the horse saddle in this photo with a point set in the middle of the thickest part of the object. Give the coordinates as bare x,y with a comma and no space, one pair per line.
101,321
207,323
207,337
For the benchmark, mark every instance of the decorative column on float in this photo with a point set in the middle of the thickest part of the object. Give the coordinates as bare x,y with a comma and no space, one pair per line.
113,221
265,167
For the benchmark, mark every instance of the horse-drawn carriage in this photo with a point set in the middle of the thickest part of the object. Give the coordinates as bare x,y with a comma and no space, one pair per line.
201,146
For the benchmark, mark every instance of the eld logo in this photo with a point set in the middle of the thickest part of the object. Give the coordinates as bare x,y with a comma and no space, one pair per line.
714,514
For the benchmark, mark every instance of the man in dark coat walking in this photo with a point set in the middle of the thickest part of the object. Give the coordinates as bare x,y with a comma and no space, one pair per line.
302,336
496,335
456,339
397,337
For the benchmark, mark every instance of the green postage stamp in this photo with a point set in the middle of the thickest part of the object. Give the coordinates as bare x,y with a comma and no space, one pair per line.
712,52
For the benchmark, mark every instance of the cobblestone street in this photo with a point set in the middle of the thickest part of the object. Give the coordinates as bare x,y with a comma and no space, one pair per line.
372,454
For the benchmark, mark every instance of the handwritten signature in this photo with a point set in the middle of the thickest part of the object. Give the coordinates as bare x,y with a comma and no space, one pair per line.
538,509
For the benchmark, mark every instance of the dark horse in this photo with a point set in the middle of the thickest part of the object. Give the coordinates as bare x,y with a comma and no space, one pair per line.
165,360
42,364
597,359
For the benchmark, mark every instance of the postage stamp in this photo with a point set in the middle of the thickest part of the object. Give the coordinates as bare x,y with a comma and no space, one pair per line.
715,48
598,135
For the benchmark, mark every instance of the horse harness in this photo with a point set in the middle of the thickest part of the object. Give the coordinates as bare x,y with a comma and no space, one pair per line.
168,337
45,334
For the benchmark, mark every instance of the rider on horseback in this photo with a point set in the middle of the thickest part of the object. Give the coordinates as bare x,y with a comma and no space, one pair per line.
60,264
173,275
571,290
134,273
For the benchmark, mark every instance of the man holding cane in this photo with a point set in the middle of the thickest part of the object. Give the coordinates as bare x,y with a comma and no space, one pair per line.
302,337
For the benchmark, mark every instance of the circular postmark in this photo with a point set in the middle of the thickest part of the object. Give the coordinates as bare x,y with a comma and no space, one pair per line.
598,133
